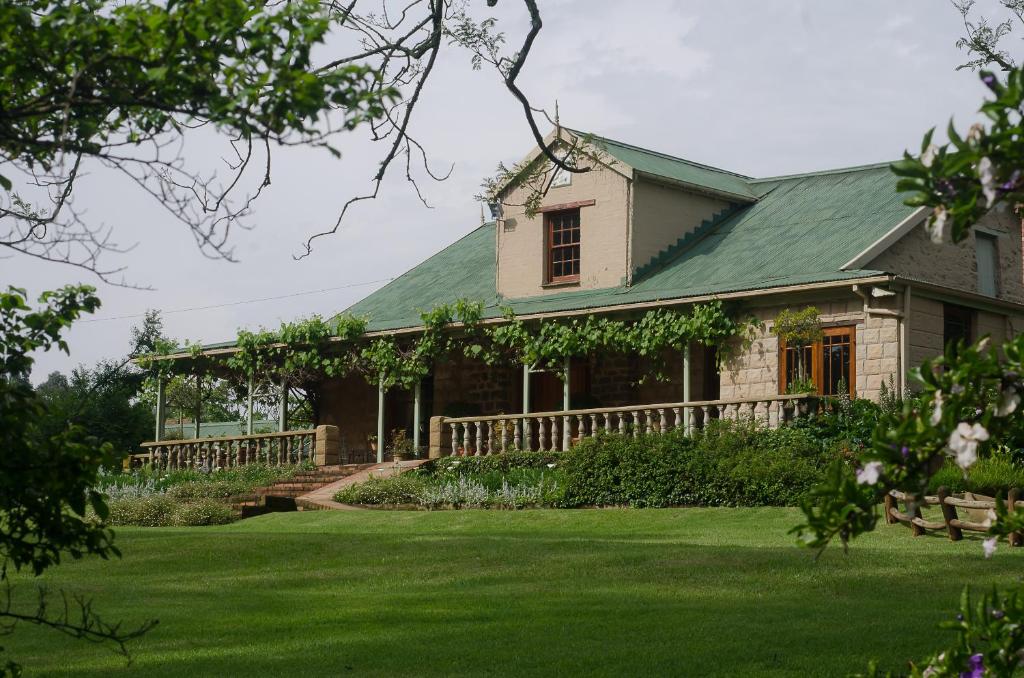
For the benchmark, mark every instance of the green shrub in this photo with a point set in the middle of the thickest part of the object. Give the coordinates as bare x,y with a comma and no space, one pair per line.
728,464
153,511
453,467
202,512
993,476
162,511
403,489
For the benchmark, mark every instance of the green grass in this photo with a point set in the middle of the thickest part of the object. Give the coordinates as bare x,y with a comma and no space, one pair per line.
617,592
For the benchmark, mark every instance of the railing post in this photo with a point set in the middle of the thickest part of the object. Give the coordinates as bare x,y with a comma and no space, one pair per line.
435,437
949,515
328,445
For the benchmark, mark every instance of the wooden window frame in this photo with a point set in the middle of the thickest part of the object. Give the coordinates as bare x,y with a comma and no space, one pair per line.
549,247
818,360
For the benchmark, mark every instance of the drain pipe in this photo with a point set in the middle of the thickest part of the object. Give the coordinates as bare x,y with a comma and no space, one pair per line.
905,340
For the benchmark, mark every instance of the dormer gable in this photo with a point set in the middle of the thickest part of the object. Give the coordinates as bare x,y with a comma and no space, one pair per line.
608,226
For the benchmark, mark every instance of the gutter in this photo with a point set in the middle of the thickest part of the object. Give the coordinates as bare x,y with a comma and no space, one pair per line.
612,308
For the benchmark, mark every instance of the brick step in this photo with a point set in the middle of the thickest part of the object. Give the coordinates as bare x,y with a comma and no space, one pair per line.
271,492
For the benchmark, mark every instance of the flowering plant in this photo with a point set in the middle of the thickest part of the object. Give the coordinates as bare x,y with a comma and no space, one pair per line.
963,179
967,398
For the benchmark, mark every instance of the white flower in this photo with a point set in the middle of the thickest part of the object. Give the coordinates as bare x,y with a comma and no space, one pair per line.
868,474
937,412
1008,402
989,546
988,180
928,157
964,441
975,132
552,465
983,344
936,226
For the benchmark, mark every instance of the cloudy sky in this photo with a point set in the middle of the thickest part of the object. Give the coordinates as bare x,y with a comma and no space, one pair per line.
761,88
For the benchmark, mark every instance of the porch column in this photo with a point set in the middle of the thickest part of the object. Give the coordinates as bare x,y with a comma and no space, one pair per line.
248,409
380,421
160,416
565,384
416,393
686,387
526,389
282,407
199,403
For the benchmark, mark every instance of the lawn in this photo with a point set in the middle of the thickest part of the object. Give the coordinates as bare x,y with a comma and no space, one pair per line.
709,592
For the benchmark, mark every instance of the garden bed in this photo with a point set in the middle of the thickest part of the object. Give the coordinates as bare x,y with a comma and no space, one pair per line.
149,498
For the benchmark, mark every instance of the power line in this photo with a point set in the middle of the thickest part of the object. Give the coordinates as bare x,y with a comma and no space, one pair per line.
238,303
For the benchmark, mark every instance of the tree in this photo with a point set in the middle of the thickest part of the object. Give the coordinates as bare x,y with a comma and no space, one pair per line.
47,479
119,87
981,38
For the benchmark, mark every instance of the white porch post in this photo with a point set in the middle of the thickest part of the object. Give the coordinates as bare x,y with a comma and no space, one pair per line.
565,384
380,421
199,403
686,387
282,407
248,409
158,435
526,389
416,394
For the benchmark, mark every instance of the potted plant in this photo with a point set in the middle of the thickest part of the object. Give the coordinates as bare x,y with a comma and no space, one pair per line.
401,446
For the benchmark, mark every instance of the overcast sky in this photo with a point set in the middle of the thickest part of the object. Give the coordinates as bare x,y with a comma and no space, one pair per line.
762,88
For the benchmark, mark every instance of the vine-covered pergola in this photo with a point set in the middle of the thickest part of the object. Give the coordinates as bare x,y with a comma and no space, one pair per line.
302,355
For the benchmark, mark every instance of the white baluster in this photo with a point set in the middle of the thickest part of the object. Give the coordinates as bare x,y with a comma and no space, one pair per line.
517,436
566,432
455,439
542,435
662,422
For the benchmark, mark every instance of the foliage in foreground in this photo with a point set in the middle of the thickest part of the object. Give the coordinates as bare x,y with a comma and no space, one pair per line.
990,640
48,479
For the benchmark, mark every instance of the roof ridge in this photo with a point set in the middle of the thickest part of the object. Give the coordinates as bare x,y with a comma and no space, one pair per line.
662,154
826,172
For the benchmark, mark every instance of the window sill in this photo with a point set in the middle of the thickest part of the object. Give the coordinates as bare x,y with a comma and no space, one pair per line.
561,283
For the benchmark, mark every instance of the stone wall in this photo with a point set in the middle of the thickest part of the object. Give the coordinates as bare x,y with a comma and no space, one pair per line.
956,266
604,234
754,371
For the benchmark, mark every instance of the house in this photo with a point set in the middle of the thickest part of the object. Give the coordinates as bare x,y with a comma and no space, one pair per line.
644,230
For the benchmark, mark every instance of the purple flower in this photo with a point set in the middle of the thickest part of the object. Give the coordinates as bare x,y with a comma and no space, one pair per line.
989,80
976,667
998,614
905,451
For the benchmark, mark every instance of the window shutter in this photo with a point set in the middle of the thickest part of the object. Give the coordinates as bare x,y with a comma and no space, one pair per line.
985,251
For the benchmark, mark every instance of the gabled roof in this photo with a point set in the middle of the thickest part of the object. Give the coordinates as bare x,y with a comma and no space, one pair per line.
692,174
803,229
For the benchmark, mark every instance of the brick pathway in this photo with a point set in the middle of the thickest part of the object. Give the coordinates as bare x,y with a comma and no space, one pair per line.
323,498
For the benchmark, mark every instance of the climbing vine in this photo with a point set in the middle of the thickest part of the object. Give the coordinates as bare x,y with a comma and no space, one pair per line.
305,352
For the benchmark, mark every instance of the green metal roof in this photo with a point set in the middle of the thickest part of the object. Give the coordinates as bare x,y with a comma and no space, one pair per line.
678,169
801,230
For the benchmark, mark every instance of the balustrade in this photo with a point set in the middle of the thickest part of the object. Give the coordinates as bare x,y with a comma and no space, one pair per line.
558,431
318,446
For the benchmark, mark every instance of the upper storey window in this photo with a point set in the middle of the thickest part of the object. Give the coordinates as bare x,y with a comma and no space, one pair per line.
563,250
